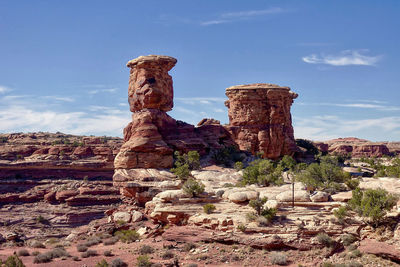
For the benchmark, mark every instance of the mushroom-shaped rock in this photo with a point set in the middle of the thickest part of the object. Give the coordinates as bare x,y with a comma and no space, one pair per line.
150,85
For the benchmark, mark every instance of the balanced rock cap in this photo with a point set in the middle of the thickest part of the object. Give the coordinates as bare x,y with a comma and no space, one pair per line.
167,61
253,86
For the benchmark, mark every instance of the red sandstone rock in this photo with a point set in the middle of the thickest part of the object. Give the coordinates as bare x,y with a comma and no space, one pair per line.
48,155
63,195
50,197
208,121
260,119
150,85
83,152
356,147
380,249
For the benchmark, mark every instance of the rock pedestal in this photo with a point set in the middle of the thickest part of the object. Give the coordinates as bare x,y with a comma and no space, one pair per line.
260,119
152,136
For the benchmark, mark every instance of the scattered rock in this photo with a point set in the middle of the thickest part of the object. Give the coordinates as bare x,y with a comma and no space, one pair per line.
320,197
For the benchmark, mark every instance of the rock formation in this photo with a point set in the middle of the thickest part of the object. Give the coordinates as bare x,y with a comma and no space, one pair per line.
152,136
46,155
358,148
260,120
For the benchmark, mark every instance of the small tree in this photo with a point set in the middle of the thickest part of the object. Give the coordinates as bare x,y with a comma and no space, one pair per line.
258,205
192,187
185,163
372,203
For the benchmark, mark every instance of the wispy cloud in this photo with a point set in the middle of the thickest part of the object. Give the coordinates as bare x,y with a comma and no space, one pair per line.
200,100
35,113
4,89
59,98
229,17
107,90
344,58
328,127
376,105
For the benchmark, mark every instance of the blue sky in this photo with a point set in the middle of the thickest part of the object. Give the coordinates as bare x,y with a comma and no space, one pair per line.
62,63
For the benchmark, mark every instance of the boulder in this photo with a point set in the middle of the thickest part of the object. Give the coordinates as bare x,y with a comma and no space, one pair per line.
380,249
239,195
342,196
136,216
299,196
320,196
122,216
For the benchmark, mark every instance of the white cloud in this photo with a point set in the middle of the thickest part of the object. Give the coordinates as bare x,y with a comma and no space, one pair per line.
241,15
4,89
328,127
17,118
200,100
107,90
59,98
344,58
376,106
214,22
25,113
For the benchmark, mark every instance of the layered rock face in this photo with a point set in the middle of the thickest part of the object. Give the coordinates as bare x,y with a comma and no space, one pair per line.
358,147
46,155
260,119
153,136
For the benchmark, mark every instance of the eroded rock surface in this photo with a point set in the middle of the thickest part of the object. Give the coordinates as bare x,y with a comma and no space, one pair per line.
260,119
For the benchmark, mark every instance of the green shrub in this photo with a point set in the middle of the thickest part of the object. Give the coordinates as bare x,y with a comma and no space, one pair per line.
356,253
278,258
185,163
108,253
192,187
42,258
89,253
37,244
288,163
348,239
110,241
92,241
127,236
258,205
226,156
143,261
262,172
146,249
352,183
81,248
325,240
120,263
372,203
341,213
241,227
41,219
183,171
308,145
23,253
209,208
168,254
251,217
102,263
238,165
12,261
3,139
325,175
